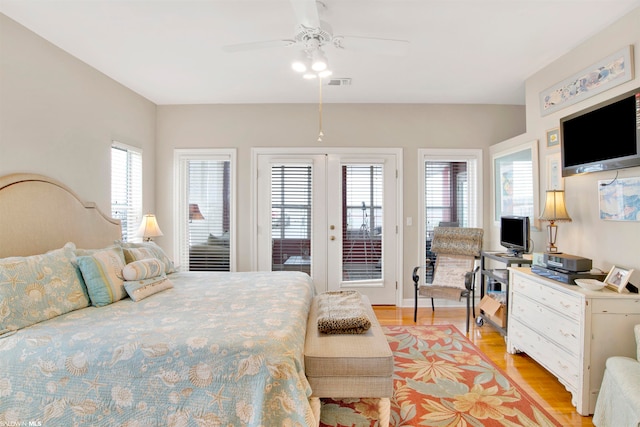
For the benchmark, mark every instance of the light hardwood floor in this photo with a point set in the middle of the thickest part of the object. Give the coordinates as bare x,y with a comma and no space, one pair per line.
533,378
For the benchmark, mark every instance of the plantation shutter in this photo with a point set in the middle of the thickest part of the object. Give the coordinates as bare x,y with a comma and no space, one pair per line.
208,215
291,207
126,189
362,198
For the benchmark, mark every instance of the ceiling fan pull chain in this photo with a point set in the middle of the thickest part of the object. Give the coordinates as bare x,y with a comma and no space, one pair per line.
320,133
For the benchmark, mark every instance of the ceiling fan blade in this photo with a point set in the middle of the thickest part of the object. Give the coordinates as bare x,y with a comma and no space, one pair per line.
306,12
241,47
372,44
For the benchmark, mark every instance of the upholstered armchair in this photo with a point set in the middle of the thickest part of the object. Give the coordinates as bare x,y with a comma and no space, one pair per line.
618,403
454,276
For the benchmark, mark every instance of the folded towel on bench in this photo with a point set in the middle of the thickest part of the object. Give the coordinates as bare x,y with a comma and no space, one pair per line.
342,312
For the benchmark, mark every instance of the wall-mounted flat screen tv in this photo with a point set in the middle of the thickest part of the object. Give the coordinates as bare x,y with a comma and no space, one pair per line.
603,137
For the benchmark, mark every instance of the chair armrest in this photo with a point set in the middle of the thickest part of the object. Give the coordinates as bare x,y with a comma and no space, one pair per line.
470,278
415,276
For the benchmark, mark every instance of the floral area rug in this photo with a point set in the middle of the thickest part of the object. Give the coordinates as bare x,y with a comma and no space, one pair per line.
441,379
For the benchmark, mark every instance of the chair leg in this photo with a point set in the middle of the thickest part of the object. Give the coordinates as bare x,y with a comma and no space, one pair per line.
468,313
473,300
432,306
415,307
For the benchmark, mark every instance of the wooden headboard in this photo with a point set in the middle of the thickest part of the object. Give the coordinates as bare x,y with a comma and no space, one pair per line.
38,214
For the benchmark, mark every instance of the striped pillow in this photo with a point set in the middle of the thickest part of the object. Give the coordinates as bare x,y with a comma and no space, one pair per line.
102,274
143,269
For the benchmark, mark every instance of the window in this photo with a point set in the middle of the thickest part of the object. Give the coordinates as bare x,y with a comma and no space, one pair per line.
204,209
451,183
126,188
514,182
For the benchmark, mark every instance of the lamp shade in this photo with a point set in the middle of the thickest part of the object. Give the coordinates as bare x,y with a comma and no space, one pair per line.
194,212
554,207
149,227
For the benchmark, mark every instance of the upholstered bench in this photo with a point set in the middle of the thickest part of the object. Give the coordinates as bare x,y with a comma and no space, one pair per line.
349,365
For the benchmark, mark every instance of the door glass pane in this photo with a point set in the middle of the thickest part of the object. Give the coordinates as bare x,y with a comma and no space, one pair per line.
208,193
291,191
362,222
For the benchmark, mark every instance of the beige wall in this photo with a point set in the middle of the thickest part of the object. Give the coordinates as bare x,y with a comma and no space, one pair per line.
606,242
398,125
58,117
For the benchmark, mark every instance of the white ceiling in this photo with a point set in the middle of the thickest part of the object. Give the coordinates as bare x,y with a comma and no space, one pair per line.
473,51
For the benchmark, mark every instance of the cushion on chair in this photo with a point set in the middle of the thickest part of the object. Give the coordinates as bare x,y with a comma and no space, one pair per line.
451,270
457,241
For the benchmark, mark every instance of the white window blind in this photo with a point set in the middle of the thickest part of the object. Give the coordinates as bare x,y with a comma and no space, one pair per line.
450,198
362,198
291,207
446,193
208,215
126,189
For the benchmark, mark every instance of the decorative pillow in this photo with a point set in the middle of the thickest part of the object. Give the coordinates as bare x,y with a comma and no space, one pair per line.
139,251
140,289
87,252
39,287
102,273
143,269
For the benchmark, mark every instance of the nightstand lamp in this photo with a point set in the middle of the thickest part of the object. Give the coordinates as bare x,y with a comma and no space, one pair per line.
149,228
554,210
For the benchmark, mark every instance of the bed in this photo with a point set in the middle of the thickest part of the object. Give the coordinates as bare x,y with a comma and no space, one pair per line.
213,349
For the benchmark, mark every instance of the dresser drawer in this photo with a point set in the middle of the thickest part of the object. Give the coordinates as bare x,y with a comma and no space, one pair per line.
560,363
563,331
566,303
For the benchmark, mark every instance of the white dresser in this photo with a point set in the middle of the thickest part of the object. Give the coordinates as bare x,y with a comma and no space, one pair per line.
570,331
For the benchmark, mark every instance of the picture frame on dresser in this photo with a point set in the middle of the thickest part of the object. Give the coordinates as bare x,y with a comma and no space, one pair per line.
618,278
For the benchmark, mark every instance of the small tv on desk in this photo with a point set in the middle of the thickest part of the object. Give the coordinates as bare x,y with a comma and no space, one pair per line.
515,234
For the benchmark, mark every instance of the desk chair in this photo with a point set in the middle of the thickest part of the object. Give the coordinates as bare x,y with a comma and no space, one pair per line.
454,276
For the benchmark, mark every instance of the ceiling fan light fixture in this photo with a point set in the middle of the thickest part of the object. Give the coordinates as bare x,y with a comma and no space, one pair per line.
299,66
309,76
319,62
325,73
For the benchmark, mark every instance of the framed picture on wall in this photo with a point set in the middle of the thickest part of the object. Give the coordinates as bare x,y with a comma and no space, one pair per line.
553,137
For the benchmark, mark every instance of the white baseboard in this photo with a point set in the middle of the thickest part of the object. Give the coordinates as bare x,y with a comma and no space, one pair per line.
426,302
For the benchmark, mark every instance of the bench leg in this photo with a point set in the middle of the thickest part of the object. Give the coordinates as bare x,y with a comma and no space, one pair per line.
315,408
384,411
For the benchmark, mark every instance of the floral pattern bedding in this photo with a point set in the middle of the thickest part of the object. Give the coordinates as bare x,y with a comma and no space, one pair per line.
218,349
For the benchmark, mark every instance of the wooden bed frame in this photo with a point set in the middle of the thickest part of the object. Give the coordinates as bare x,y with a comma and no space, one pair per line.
35,205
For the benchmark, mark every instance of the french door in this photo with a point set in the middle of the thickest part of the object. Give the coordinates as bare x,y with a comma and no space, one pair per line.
332,215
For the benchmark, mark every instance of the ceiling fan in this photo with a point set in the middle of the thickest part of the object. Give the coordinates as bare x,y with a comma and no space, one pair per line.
312,34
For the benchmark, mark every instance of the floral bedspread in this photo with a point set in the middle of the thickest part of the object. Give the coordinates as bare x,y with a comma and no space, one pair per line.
218,349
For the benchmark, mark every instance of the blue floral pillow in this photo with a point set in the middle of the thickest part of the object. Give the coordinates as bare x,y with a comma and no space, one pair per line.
38,288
